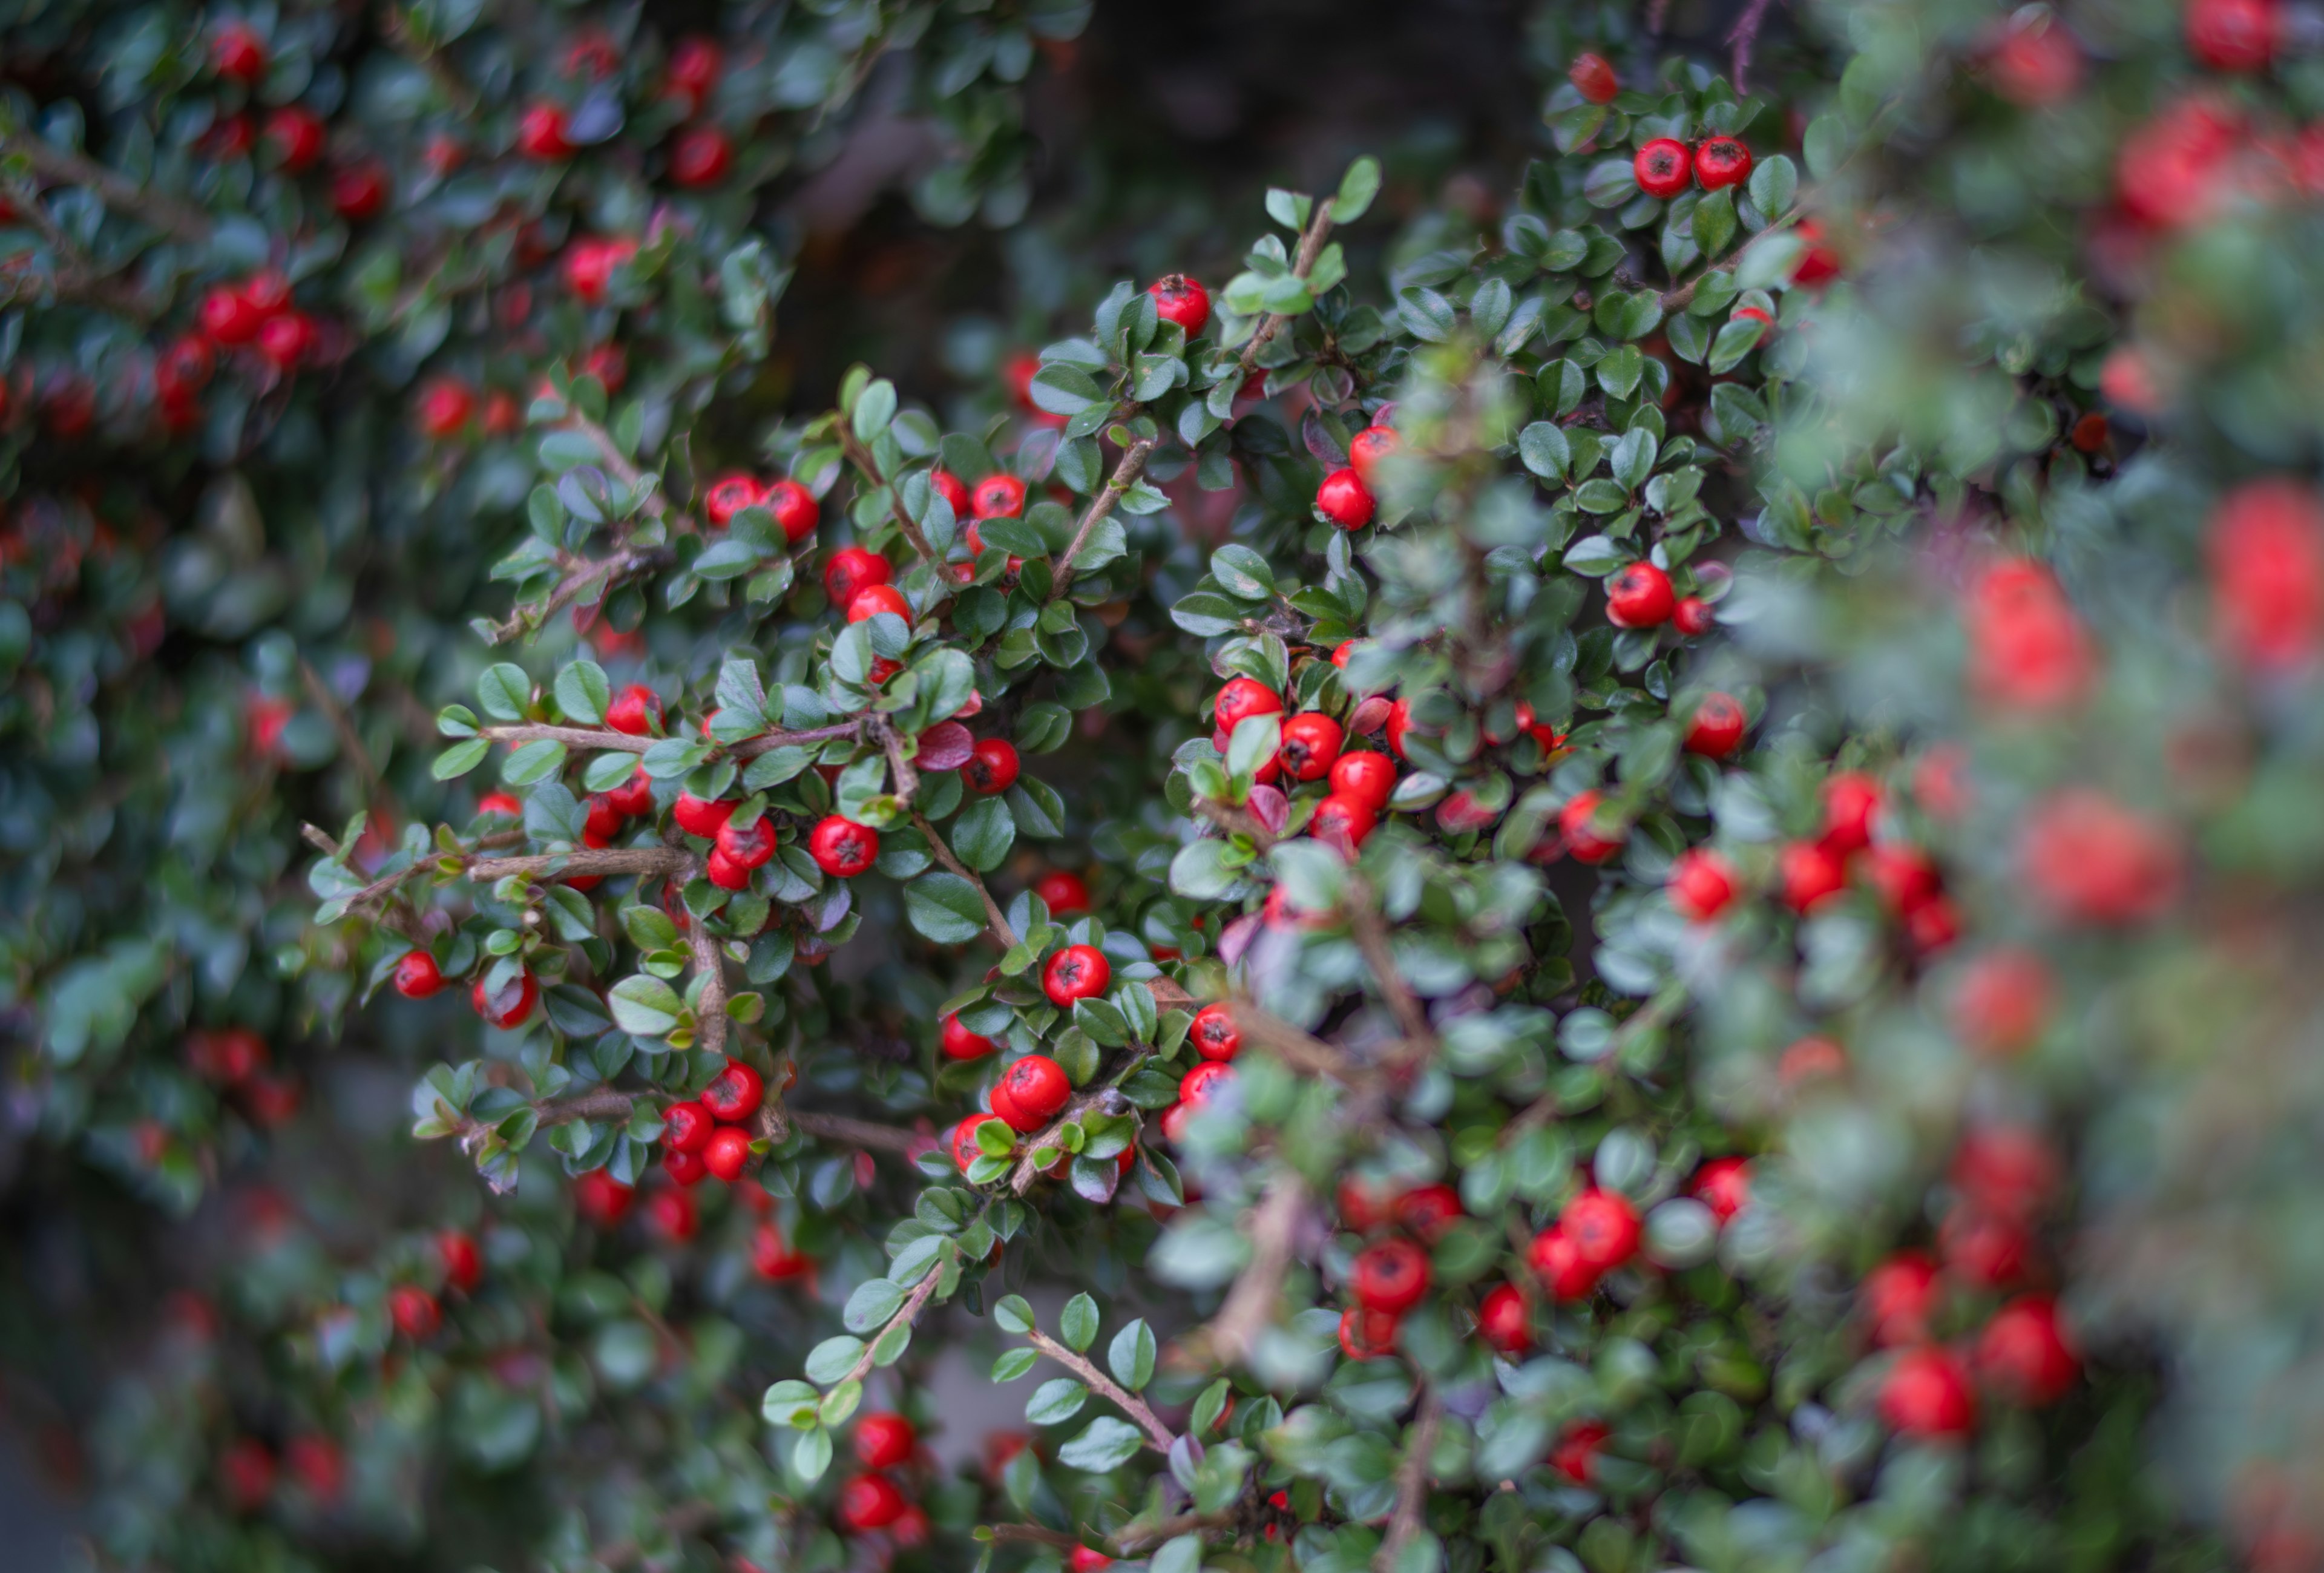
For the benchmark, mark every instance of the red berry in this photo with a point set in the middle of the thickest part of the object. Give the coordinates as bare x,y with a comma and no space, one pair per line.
727,1151
1502,1320
600,1199
1811,873
992,766
2263,544
1366,449
736,1093
685,1167
1927,1395
229,316
2005,1169
445,405
1722,161
701,156
1717,729
2090,860
589,266
1603,1227
1557,1263
1590,837
1390,1276
952,489
959,1044
1428,1210
1639,597
1724,1186
1085,1560
749,848
1702,883
843,848
1366,1334
463,1262
673,1215
870,1501
2002,1001
1898,1296
693,69
2234,35
1594,76
295,135
1575,1456
417,975
771,1258
871,601
414,1311
728,495
268,292
1078,972
542,134
726,873
360,190
1199,1086
1242,698
998,497
1664,169
1366,778
634,797
1311,743
1344,500
636,711
1181,300
1850,801
1035,1087
686,1127
2035,63
884,1441
510,1007
1343,824
851,570
318,1464
963,1147
1062,892
239,53
2024,1353
184,369
1215,1033
285,340
702,817
1693,617
795,509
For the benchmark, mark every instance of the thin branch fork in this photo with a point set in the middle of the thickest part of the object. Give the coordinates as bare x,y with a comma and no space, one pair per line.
709,963
906,1314
1125,474
1100,1098
61,166
1033,1534
1311,246
1411,1483
598,1104
1133,1537
854,1133
1249,1305
861,458
607,740
1300,1050
1158,1436
1237,820
1371,939
996,921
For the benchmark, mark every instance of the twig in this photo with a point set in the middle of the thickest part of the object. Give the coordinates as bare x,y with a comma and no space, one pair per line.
1251,1304
861,458
1125,475
1131,1537
996,921
1237,821
76,277
908,779
614,860
1311,246
1679,299
709,963
118,192
375,787
606,740
1411,1485
1036,1535
1743,35
1300,1050
907,1313
630,560
1371,938
598,1104
1158,1435
1656,1012
854,1133
1104,1097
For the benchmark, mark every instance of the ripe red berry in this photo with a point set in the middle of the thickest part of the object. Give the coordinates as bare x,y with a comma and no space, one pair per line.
726,873
1344,500
1365,777
417,975
727,1152
246,1474
636,710
771,1256
728,495
510,1007
796,511
359,191
1390,1276
2234,35
1428,1210
1850,801
870,1501
2024,1353
1603,1227
701,156
1344,824
1722,161
1502,1320
285,340
1593,76
1032,1091
1311,745
736,1093
294,134
445,405
701,817
463,1262
685,1167
1367,448
1664,169
874,599
1215,1033
686,1126
693,69
1181,300
229,316
184,368
992,766
1927,1395
2034,63
1078,972
1724,1186
414,1311
952,489
998,497
2002,1001
1242,698
1639,597
749,848
674,1215
1366,1334
239,53
959,1044
1702,883
884,1440
2090,860
1693,617
843,848
1203,1083
963,1144
633,797
1085,1560
600,1199
1898,1296
1575,1456
851,570
542,134
1717,729
1811,874
1590,837
1063,892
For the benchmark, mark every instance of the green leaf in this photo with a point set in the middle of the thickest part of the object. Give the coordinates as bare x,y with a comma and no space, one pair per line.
1014,1314
1056,1400
1773,184
812,1455
1130,1355
1106,1444
1014,1363
504,692
1358,187
875,406
875,1302
984,833
460,759
945,908
645,1007
1078,1325
583,693
536,761
1545,450
1242,572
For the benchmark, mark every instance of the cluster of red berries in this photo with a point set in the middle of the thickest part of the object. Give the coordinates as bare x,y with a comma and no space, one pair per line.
794,510
872,1501
699,154
415,1311
1667,166
705,1134
1217,1041
447,404
234,1061
1641,596
1345,498
1388,1277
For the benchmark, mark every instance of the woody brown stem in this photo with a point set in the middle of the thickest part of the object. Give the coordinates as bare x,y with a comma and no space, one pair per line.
996,921
1133,460
1158,1435
1411,1485
1249,1305
1311,246
861,458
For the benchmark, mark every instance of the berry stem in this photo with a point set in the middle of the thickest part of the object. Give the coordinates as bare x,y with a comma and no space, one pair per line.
1158,1436
1132,461
996,921
1311,246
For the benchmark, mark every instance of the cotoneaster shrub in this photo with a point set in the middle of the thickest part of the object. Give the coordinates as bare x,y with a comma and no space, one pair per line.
1673,940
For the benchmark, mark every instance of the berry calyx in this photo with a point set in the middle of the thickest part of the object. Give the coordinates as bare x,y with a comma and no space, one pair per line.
1030,1092
841,847
959,1044
795,509
748,848
1365,777
1076,972
727,1152
992,766
1502,1320
734,1094
417,975
1702,883
1345,500
1215,1033
1062,891
851,570
1603,1227
1390,1276
1639,597
1664,167
1592,76
1717,729
1927,1393
511,1007
687,1125
1311,745
884,1440
1722,161
636,710
1181,300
